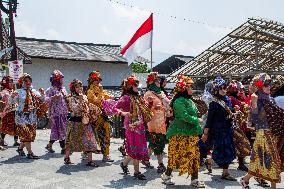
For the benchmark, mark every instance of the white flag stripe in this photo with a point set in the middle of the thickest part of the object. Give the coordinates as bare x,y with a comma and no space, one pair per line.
142,44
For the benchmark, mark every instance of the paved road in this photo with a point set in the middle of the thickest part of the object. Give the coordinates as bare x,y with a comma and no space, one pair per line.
50,172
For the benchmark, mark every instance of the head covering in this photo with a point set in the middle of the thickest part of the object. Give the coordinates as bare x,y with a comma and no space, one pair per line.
233,86
208,91
128,83
219,82
5,82
258,82
95,76
73,84
21,79
151,79
261,80
183,83
55,78
277,83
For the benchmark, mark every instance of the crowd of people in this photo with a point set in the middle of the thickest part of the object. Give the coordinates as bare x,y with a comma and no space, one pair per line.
225,124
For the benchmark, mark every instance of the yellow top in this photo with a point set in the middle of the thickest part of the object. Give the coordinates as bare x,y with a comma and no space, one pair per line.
96,95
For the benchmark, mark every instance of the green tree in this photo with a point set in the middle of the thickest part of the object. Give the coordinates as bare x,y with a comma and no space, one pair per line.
139,68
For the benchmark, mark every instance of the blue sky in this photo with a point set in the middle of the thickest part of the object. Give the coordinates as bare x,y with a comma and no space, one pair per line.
100,21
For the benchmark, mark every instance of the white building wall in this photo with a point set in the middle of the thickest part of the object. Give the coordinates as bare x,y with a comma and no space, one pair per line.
40,70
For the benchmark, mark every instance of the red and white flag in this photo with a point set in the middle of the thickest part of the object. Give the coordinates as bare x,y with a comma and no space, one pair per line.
140,42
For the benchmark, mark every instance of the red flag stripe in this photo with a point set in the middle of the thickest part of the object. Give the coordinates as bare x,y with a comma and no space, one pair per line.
146,27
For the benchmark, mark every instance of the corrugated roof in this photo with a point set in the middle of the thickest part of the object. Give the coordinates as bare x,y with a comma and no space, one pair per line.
42,48
255,46
172,63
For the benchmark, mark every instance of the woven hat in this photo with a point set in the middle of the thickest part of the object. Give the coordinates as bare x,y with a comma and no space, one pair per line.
183,83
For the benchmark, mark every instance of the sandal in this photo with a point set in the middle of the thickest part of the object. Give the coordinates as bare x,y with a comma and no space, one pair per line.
67,161
228,177
197,184
167,179
32,156
161,168
49,149
244,184
261,182
92,164
21,152
124,168
147,164
139,176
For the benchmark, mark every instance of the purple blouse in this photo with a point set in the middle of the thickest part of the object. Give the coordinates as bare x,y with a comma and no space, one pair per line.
58,107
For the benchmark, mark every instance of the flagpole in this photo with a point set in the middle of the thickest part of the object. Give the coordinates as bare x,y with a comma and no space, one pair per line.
151,60
152,48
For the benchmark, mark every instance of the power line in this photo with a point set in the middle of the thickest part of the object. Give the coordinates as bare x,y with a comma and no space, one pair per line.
171,16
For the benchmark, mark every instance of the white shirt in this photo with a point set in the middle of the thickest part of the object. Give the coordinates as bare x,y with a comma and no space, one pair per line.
279,101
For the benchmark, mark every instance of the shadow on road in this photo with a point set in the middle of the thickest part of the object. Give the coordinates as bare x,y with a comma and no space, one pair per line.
17,159
69,169
129,181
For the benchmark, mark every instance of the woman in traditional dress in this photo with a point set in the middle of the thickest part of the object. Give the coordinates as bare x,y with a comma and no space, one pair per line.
79,136
183,150
7,113
278,95
241,142
219,128
102,128
159,104
28,102
130,105
205,148
58,110
265,160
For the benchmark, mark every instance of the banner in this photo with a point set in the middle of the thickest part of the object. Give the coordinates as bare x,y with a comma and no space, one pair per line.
15,69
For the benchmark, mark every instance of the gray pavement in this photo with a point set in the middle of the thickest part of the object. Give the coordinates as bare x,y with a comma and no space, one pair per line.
50,172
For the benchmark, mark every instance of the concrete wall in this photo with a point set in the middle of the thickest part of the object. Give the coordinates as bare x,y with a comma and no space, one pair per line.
40,70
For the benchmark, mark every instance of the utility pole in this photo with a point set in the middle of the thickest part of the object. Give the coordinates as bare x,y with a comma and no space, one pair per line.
14,53
12,7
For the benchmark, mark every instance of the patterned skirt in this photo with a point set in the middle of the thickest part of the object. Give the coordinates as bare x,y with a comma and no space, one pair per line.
8,125
26,133
183,154
80,138
242,143
265,161
58,127
157,142
102,130
136,145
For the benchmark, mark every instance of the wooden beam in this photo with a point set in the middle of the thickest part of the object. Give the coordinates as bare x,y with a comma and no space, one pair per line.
260,39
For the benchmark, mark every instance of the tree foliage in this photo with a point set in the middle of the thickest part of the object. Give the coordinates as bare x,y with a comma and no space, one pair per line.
139,68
